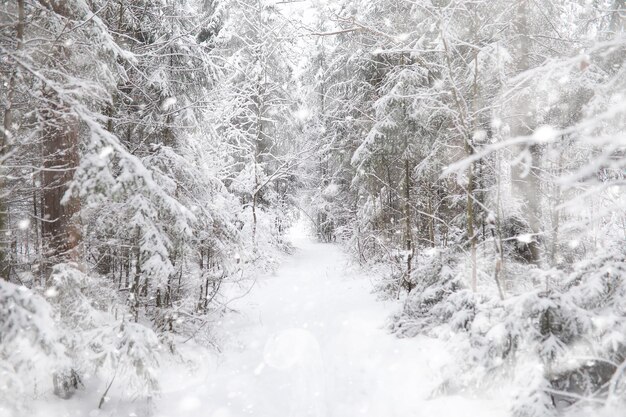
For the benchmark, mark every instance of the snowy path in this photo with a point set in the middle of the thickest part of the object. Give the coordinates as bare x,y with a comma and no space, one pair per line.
309,341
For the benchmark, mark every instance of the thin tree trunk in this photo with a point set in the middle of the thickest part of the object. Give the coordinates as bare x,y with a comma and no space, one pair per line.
431,222
407,220
256,179
469,150
556,213
135,291
467,129
254,222
527,187
471,235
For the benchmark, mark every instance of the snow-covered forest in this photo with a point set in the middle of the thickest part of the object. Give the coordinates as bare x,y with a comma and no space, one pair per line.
291,208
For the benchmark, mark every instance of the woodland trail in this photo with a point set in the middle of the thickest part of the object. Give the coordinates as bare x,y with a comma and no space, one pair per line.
310,341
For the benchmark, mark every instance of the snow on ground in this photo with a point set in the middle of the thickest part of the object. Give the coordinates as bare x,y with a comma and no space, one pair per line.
310,341
307,341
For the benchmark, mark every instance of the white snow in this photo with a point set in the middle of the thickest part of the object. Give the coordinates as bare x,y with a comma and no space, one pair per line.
524,238
168,103
311,341
545,134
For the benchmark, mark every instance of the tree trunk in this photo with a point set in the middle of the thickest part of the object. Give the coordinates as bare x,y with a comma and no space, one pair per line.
254,222
556,213
407,220
431,222
135,293
60,232
471,235
257,143
5,143
525,182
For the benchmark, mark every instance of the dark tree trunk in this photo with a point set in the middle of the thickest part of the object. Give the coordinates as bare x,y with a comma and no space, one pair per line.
5,144
407,219
60,231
